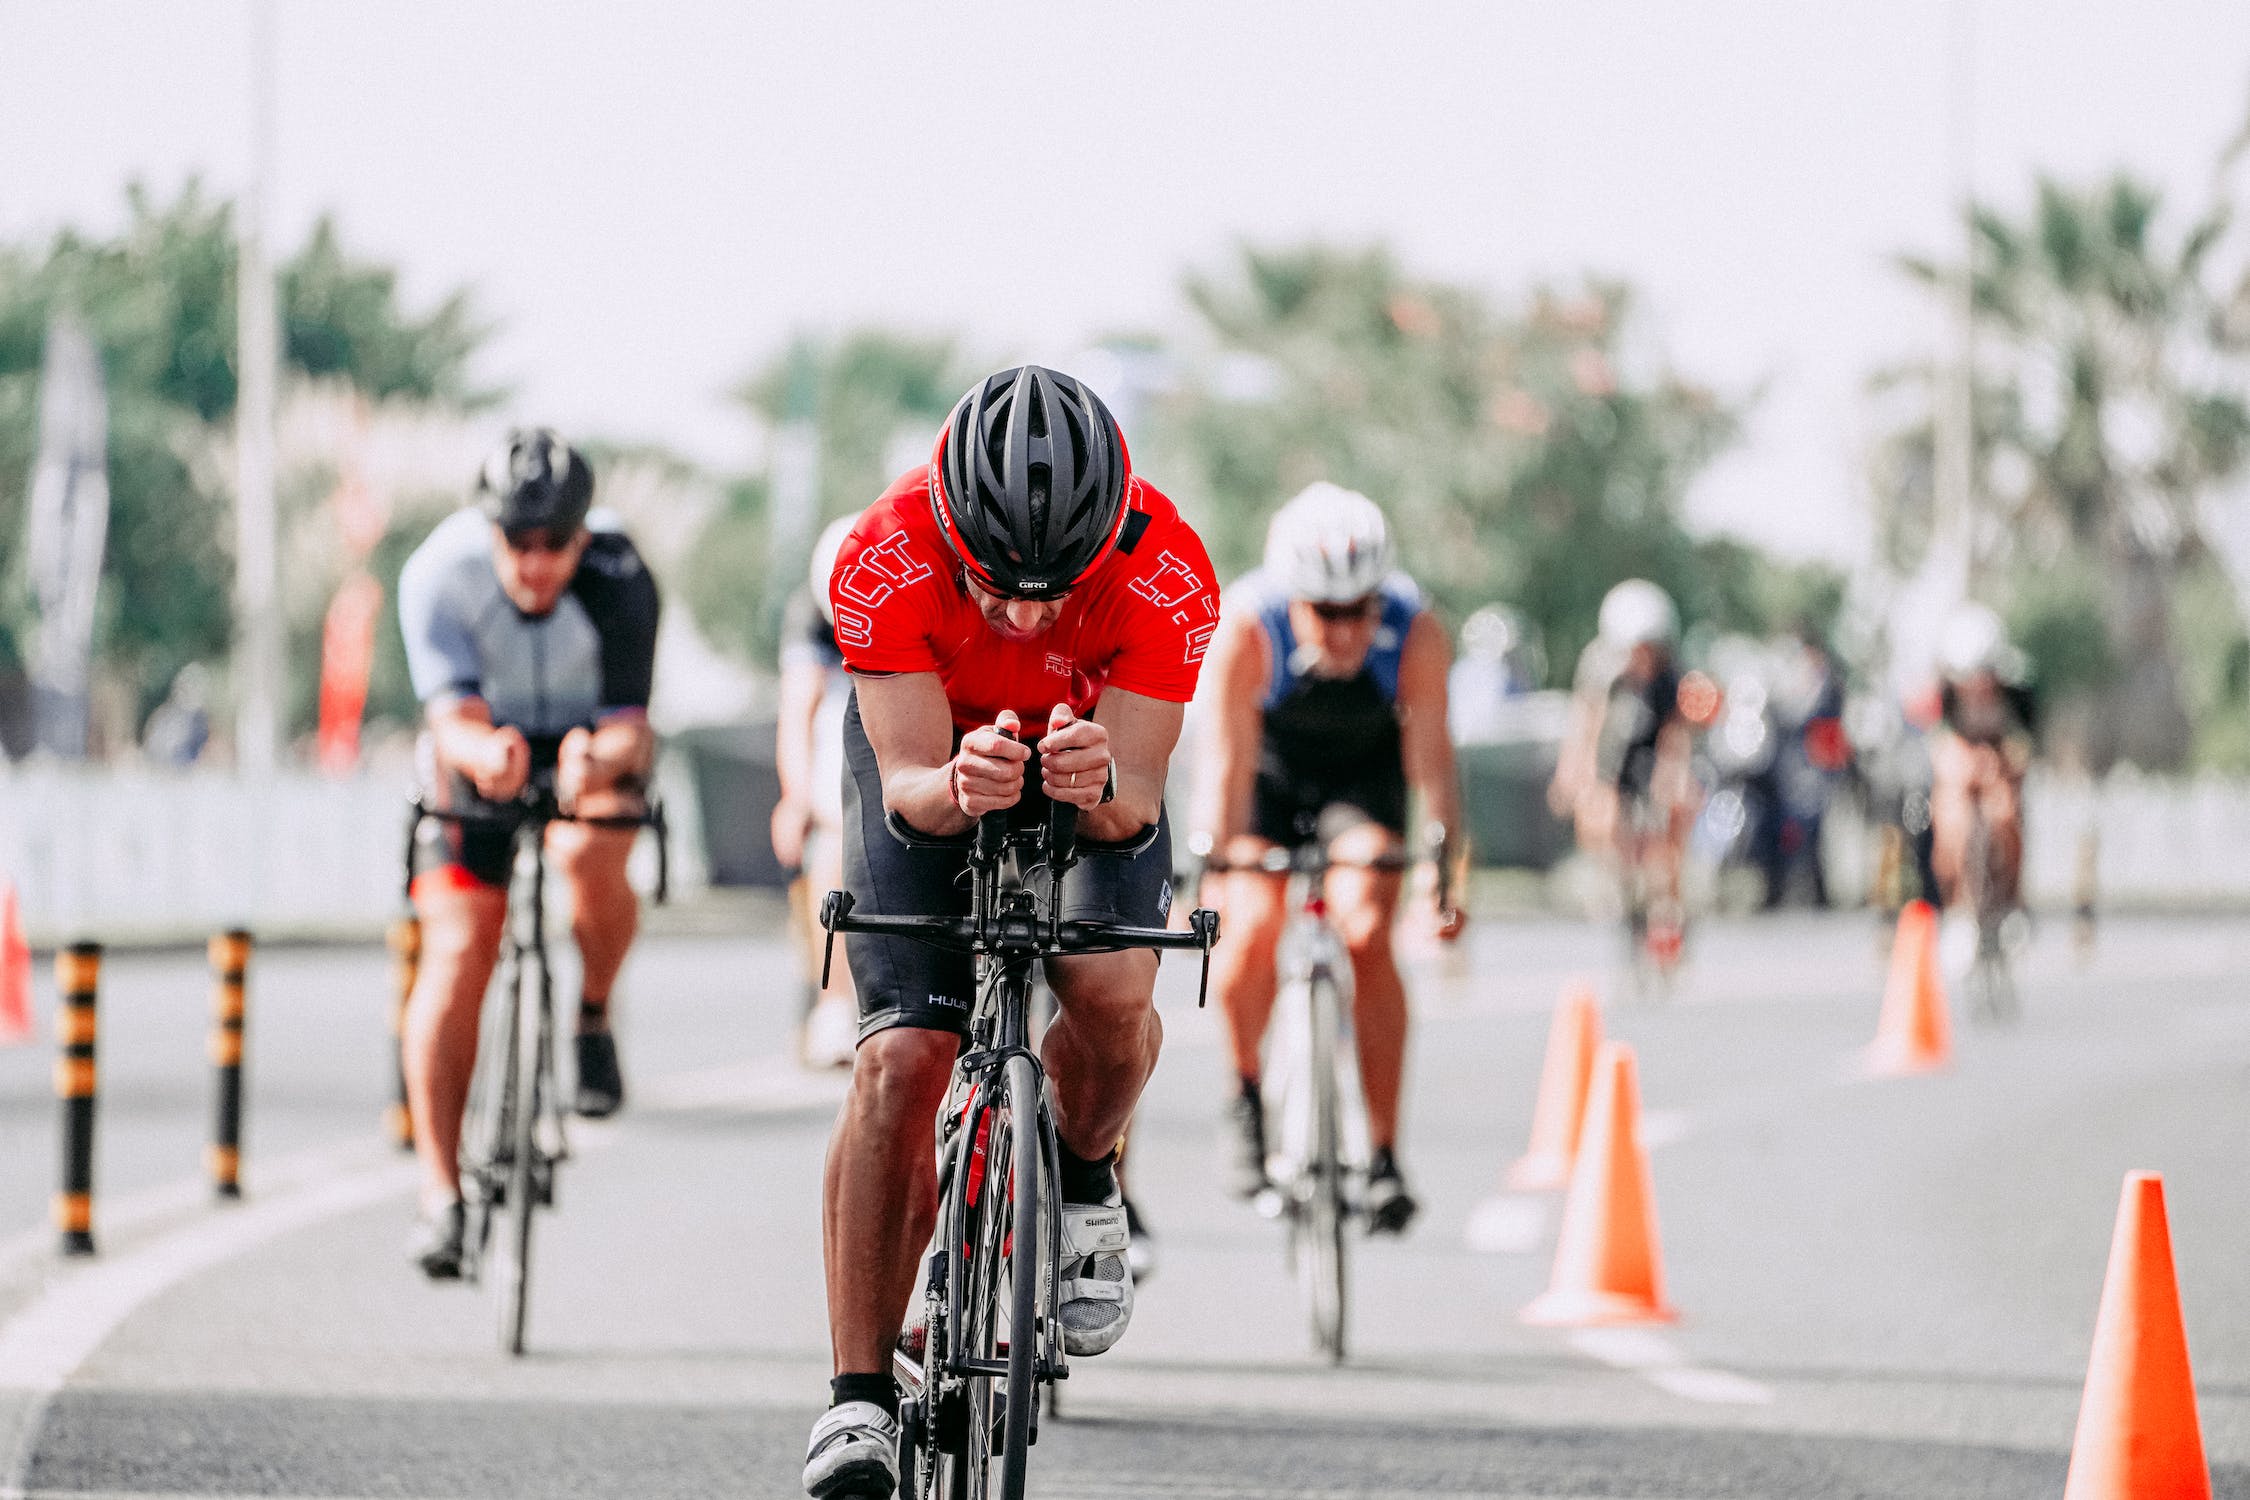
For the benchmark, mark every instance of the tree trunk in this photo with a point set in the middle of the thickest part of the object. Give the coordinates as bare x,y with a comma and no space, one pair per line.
2143,718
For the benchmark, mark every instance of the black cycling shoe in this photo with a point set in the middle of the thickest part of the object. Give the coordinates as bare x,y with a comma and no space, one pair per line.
1388,1205
435,1242
601,1087
1246,1151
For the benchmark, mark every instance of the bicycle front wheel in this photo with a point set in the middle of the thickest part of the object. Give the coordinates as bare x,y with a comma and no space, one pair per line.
1026,1274
534,1042
1323,1260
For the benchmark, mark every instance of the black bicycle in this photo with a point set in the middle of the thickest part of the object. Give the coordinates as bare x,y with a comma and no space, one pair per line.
512,1138
990,1339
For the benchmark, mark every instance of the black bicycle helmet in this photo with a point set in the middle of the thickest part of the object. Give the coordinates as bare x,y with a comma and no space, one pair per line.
536,479
1029,482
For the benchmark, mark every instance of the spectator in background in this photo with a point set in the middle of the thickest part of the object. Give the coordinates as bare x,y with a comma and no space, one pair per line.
1500,660
180,729
808,758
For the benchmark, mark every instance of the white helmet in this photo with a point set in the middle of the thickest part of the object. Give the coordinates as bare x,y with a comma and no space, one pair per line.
1973,640
824,563
1638,613
1329,545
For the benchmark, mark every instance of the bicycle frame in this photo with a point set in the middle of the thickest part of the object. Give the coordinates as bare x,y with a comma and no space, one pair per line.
1008,929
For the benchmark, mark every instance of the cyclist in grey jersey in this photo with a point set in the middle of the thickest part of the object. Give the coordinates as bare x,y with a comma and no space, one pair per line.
530,629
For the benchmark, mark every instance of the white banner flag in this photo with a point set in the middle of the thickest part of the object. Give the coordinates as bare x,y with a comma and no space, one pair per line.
69,525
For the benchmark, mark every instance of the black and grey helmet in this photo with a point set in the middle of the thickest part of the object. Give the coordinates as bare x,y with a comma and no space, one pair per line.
1029,482
536,479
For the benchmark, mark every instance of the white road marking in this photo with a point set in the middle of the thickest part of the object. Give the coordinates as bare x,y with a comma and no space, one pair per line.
46,1342
1507,1224
128,1215
1656,1358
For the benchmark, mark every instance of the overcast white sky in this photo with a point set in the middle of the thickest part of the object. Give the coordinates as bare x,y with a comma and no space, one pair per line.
652,198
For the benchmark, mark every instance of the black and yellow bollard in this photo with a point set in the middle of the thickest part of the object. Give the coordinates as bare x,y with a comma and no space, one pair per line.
78,974
230,967
406,959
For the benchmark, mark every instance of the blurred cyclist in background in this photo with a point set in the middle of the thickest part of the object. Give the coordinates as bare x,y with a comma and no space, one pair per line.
1328,703
1623,775
1978,763
808,758
530,628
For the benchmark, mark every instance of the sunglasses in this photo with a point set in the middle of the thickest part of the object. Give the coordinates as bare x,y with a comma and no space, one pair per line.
1345,613
990,592
538,539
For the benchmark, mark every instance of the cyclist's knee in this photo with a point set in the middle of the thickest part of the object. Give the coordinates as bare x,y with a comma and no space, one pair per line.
1363,916
459,926
1106,991
901,1073
1254,909
589,856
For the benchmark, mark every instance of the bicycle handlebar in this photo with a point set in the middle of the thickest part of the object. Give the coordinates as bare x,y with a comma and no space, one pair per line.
537,805
914,838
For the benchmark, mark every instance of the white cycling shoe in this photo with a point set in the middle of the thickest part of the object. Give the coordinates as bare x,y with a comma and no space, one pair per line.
1096,1296
853,1454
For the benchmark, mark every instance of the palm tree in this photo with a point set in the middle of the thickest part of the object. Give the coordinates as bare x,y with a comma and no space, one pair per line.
2104,414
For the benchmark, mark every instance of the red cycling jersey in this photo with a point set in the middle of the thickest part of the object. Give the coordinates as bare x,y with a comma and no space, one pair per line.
1140,621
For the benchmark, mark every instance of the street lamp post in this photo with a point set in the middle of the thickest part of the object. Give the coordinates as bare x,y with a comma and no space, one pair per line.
257,646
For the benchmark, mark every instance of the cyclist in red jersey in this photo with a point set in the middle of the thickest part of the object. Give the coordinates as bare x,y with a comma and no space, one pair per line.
1025,582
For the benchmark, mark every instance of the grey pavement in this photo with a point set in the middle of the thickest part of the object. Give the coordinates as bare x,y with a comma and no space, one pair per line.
1887,1288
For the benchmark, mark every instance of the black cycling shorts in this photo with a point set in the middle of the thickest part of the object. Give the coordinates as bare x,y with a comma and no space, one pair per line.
1292,810
481,853
902,983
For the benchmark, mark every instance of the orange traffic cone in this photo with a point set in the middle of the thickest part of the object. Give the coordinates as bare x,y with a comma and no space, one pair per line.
1607,1267
1915,1033
2138,1437
1564,1081
15,971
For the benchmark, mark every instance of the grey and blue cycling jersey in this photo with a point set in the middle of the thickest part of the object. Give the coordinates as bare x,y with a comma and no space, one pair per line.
590,657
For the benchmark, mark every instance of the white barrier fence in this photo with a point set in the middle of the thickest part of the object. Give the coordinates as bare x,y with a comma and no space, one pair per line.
140,856
129,856
2157,842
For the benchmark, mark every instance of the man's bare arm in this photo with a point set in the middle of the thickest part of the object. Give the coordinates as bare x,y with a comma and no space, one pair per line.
1142,734
910,727
1235,674
1425,739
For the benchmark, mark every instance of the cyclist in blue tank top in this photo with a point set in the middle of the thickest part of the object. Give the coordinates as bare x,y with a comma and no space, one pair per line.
1327,704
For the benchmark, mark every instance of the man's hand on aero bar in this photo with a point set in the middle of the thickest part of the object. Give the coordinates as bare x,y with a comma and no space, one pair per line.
987,772
1074,759
502,766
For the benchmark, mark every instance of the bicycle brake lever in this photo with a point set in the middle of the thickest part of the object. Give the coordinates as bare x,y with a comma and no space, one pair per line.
1206,925
833,908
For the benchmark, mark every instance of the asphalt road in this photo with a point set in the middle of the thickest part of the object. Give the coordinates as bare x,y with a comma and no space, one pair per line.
1887,1288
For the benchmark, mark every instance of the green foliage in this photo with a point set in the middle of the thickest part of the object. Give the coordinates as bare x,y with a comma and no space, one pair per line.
867,394
2214,665
2055,617
2104,412
159,299
862,391
725,580
1524,454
